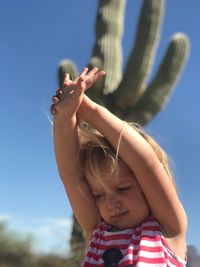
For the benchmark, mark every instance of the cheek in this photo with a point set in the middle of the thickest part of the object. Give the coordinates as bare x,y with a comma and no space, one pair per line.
134,197
139,194
101,207
137,205
103,212
137,191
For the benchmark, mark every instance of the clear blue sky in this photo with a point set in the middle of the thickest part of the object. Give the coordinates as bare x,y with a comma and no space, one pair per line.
35,36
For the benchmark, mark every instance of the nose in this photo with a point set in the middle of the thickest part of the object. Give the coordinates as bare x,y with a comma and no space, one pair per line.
113,203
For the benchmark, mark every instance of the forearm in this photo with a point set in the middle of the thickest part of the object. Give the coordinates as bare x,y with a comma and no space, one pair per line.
66,146
133,149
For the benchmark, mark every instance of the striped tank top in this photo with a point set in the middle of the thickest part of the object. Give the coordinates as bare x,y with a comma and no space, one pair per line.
140,246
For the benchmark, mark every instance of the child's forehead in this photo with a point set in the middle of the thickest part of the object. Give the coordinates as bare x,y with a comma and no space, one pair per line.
112,180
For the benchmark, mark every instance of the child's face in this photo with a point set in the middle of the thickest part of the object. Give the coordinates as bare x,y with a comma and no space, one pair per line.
120,200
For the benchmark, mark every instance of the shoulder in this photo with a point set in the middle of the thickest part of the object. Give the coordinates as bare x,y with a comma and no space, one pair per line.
175,244
152,234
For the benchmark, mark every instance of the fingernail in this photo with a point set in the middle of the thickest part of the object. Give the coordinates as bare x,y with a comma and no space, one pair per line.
59,91
65,84
53,110
55,98
66,77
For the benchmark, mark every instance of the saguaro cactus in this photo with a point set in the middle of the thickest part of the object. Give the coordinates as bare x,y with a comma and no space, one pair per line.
128,93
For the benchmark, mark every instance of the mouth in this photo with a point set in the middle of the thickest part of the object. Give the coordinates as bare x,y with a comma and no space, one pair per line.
120,214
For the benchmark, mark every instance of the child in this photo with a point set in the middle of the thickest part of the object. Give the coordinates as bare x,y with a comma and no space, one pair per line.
118,183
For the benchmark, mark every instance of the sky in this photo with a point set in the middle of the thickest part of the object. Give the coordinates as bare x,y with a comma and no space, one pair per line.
34,37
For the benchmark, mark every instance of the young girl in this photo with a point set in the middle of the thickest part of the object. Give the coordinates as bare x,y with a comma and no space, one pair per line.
118,182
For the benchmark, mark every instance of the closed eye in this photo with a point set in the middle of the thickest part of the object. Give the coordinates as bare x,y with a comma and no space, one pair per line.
121,189
98,196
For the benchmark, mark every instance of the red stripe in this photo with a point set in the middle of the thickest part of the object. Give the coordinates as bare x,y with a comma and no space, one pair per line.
142,259
145,249
151,228
93,256
104,246
87,264
151,249
153,239
116,237
125,236
149,260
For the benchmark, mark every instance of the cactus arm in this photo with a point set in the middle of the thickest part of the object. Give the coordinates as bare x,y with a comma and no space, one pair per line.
66,66
107,47
161,87
138,66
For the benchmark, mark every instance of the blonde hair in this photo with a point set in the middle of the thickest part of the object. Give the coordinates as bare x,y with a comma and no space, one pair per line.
95,149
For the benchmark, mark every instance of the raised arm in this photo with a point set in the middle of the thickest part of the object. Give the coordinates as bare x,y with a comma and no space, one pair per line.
66,145
140,157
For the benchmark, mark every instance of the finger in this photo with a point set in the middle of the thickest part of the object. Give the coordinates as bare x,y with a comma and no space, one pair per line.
84,72
82,75
91,80
92,72
67,83
59,91
80,84
99,75
53,110
55,99
66,79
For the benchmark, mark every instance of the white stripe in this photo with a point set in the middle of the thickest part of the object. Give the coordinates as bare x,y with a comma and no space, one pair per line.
93,261
149,255
150,233
151,244
126,241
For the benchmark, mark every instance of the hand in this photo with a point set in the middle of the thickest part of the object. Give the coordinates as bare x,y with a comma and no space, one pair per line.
68,99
